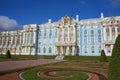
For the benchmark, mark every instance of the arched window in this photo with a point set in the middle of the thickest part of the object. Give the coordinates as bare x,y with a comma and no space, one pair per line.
50,33
44,32
44,50
99,31
92,49
50,50
85,31
113,29
107,29
85,48
92,31
118,29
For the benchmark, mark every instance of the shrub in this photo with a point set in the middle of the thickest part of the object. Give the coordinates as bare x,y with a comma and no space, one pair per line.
8,54
103,57
114,66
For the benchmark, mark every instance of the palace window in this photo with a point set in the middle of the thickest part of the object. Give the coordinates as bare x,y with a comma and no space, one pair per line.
99,31
44,32
85,39
44,50
92,32
50,50
85,31
108,49
92,39
113,29
92,49
50,34
99,39
107,29
32,36
118,29
85,49
99,49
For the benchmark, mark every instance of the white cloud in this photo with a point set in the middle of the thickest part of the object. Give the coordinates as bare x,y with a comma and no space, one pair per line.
7,24
115,3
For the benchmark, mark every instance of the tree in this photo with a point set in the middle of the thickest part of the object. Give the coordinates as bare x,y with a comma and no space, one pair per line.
114,66
103,57
8,54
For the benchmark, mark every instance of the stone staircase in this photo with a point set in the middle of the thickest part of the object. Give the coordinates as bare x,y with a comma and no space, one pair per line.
59,57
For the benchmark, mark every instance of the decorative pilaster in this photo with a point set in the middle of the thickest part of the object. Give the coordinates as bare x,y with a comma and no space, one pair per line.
74,35
23,37
110,29
73,49
62,34
67,51
20,39
34,36
30,37
68,34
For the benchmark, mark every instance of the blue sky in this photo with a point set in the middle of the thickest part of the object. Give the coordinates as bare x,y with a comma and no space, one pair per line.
23,12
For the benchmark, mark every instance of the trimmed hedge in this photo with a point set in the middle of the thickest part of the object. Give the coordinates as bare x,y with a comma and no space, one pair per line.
103,57
114,66
8,54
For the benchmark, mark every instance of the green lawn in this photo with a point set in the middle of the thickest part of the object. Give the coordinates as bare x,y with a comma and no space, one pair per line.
72,75
26,57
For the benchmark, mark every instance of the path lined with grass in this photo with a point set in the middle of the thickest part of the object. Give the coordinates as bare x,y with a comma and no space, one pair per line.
8,65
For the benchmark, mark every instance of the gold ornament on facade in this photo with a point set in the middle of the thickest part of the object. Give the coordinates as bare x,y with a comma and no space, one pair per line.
66,19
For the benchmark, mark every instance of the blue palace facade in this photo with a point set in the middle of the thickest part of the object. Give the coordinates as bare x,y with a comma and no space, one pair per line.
67,36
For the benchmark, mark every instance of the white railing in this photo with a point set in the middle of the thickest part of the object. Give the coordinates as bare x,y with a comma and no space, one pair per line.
28,44
65,43
109,42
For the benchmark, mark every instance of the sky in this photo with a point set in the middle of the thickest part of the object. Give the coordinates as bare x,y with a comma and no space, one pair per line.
16,13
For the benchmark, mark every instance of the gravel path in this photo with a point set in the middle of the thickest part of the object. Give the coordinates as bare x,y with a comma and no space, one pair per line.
8,65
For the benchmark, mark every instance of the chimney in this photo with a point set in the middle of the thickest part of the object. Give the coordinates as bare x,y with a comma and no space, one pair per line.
49,20
77,18
102,15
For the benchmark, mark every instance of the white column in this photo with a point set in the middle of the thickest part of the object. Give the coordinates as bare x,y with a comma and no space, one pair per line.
116,33
23,38
74,35
57,34
2,40
20,39
67,51
68,34
110,34
15,40
11,40
30,37
73,50
61,52
62,35
104,31
6,39
26,37
34,37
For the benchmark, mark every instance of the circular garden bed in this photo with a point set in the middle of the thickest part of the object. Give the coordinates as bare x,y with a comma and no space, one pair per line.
44,74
